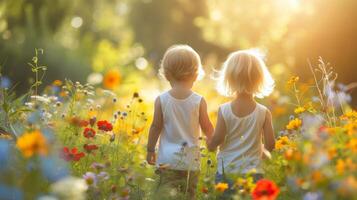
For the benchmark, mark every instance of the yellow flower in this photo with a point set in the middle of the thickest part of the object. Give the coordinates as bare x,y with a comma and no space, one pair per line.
345,165
332,152
351,127
282,142
299,110
352,144
32,143
350,115
246,185
57,83
221,187
293,80
112,79
294,124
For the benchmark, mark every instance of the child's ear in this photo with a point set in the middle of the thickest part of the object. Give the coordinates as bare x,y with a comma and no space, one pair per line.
194,77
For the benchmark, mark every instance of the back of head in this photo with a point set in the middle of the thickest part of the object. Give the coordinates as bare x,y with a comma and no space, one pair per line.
245,72
180,63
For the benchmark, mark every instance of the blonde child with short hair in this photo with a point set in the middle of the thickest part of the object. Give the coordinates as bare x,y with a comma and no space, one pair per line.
179,114
242,123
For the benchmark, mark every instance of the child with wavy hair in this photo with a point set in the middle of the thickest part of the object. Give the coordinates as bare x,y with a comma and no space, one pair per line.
179,115
243,124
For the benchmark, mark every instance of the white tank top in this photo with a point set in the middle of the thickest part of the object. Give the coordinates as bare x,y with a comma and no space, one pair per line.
242,148
179,138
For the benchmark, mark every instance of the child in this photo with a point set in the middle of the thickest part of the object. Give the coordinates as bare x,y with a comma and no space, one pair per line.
242,122
179,114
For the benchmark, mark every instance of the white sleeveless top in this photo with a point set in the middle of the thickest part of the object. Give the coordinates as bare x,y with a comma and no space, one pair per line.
179,138
242,148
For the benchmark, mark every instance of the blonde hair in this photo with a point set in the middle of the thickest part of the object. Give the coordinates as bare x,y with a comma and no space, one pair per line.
245,72
181,62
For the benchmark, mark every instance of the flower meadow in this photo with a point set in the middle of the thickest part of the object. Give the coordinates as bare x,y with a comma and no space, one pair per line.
73,140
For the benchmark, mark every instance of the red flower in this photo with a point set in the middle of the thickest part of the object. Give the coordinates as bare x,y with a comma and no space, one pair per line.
89,132
75,121
71,155
83,123
265,190
90,147
104,125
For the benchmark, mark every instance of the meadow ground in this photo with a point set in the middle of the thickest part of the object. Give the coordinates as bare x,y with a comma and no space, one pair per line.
79,141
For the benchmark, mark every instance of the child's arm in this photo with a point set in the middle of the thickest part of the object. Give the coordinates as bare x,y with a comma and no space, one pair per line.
204,120
219,133
154,133
268,132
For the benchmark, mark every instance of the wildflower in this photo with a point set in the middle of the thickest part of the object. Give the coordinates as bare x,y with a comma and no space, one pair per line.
95,78
352,145
299,110
294,124
90,178
204,190
331,152
89,133
90,147
104,125
71,155
221,187
57,83
103,175
351,127
282,142
97,166
344,165
245,185
112,79
350,115
265,190
293,80
32,143
136,95
76,121
317,176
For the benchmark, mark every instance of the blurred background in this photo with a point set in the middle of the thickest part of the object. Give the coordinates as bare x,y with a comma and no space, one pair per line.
84,39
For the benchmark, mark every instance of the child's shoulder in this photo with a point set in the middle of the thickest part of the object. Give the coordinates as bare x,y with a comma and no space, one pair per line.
262,107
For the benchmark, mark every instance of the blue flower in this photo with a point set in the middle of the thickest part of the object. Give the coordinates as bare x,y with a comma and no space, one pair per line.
5,82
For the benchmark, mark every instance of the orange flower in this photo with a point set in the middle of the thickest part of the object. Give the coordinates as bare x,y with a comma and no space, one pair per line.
32,143
352,145
112,79
221,187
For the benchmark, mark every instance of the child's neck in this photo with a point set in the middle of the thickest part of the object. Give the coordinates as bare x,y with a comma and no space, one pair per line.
180,90
245,96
